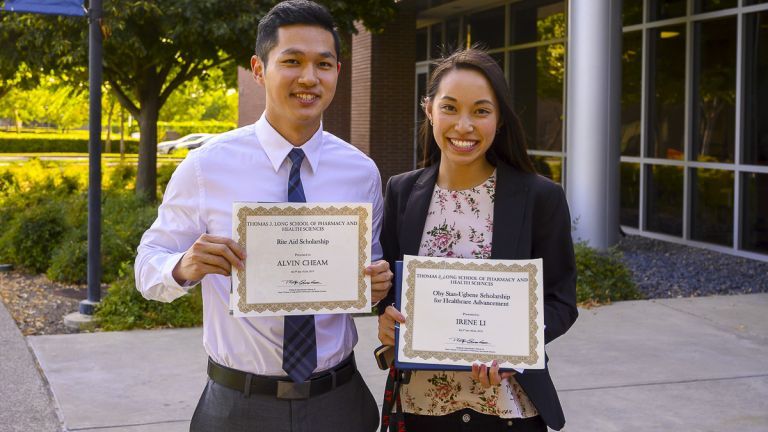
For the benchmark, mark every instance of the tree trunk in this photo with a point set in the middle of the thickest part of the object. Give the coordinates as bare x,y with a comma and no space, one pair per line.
146,177
109,126
17,119
122,134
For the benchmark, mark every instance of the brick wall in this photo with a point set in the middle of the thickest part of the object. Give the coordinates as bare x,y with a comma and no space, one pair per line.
360,117
336,118
251,98
393,87
383,79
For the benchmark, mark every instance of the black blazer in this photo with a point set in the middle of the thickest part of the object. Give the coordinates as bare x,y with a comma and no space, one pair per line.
530,220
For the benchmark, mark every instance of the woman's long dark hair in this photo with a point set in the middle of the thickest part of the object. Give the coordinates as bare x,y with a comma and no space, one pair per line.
509,144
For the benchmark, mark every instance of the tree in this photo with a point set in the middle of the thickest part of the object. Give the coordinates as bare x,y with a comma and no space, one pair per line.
52,102
14,72
151,48
207,97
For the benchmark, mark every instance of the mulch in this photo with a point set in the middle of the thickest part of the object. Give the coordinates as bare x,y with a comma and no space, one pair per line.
37,304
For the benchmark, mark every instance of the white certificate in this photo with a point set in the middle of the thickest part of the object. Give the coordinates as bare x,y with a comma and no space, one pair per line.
302,258
462,311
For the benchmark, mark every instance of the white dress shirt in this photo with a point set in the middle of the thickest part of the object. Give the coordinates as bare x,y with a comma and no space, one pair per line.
251,164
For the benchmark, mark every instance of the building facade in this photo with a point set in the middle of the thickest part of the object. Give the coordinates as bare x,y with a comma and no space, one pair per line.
653,114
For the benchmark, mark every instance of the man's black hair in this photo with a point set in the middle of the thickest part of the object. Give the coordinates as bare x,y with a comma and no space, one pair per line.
292,12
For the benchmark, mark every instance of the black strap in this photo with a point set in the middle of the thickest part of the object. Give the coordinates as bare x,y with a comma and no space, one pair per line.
392,422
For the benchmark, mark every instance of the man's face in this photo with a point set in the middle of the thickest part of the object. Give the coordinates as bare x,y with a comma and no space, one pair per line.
300,77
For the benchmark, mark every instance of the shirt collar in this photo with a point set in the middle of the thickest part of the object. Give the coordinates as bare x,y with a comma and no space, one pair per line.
277,147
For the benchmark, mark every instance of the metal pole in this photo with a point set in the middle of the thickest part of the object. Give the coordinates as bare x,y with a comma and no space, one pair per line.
94,160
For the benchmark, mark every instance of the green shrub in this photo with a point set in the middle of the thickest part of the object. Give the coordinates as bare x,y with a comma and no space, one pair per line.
30,236
125,217
35,177
34,143
123,308
122,176
69,261
602,276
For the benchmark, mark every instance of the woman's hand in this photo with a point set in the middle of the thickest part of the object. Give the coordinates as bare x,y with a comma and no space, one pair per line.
483,374
387,325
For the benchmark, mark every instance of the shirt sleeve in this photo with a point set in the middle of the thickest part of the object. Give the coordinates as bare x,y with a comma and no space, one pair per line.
179,223
378,215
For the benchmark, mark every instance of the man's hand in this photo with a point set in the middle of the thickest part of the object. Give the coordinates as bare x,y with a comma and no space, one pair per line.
387,325
489,376
209,255
381,279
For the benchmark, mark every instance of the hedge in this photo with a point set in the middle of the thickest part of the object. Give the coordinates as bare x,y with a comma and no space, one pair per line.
12,143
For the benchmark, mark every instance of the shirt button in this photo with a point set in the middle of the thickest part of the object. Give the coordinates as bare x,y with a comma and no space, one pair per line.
465,418
509,422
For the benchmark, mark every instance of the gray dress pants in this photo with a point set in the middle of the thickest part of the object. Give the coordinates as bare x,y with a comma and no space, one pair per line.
350,407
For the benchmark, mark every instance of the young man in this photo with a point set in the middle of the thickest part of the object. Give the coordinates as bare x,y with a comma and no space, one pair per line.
255,380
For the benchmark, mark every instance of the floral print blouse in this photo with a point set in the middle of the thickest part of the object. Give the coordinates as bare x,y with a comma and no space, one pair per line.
460,225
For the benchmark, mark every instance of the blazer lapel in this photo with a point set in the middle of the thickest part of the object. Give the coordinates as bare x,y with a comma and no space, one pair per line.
415,215
508,213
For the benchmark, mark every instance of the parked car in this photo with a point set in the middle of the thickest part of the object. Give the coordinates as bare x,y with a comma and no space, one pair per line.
191,141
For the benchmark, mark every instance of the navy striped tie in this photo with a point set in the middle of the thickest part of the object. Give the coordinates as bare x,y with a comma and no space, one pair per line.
299,343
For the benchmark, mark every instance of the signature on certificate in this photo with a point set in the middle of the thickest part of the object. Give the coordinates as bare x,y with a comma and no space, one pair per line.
470,341
300,282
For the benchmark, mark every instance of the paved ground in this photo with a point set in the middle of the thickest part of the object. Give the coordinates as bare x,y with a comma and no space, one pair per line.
660,365
25,403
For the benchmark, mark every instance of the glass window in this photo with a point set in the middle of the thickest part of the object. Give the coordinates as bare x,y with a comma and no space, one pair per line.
666,89
499,57
631,93
421,44
550,167
421,92
486,28
630,195
712,206
632,12
531,24
756,89
713,5
452,34
663,9
664,199
753,2
714,107
436,41
754,231
536,81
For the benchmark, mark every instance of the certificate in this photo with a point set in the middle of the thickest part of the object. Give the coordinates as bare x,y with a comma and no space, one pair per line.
302,258
464,311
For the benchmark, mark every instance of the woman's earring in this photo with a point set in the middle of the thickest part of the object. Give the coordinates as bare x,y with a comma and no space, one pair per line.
430,122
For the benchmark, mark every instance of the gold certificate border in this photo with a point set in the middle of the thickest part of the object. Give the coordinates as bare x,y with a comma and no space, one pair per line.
362,214
530,359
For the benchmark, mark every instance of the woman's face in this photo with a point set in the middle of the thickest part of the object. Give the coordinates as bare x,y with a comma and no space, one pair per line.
464,114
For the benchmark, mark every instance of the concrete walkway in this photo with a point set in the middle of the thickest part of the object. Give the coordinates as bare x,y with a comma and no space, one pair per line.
659,365
25,403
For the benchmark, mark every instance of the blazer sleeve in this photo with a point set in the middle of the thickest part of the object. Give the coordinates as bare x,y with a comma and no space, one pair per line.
552,242
390,243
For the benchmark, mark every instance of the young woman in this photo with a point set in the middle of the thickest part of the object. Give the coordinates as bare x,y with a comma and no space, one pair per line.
478,196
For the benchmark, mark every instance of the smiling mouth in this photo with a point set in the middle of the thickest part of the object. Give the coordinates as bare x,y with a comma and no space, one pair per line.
305,98
463,145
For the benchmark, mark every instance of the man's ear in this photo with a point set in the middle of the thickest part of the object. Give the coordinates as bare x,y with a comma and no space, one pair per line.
258,69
